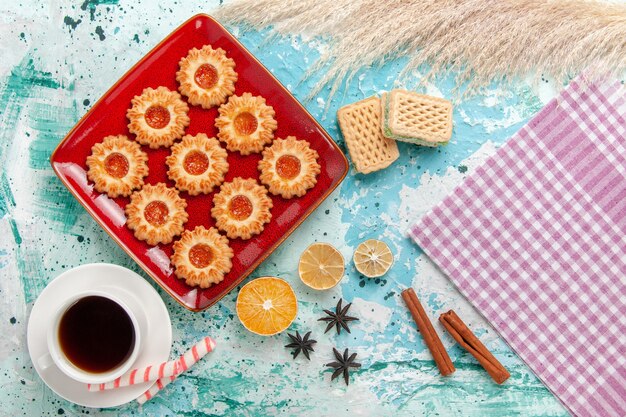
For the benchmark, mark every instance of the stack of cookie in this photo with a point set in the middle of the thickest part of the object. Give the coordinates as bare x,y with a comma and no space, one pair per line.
372,126
197,166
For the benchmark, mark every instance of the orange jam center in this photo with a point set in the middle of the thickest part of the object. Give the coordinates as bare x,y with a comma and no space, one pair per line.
196,162
156,213
206,76
245,123
240,207
157,117
288,167
116,165
201,255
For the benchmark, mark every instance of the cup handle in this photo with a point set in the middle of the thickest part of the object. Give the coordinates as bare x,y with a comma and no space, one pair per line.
45,361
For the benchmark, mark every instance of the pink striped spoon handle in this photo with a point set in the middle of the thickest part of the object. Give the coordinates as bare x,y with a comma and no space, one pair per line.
139,376
185,361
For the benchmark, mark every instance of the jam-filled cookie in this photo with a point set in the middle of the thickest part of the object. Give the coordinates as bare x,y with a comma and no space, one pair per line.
206,76
197,164
246,124
241,208
117,166
289,167
158,117
202,257
156,214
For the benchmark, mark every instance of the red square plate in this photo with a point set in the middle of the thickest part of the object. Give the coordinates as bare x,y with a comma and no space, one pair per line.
108,117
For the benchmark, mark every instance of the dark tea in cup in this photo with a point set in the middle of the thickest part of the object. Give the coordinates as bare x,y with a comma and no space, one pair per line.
96,334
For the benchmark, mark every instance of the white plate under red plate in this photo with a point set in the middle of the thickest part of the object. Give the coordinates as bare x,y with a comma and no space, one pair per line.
133,290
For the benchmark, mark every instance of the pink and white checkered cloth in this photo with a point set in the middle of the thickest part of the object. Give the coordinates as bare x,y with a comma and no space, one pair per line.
536,239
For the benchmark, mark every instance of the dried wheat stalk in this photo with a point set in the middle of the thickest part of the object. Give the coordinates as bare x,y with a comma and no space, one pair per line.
479,40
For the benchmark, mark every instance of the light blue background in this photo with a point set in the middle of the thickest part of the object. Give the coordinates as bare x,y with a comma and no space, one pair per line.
59,57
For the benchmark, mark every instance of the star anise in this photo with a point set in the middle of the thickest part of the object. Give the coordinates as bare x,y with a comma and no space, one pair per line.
339,318
301,344
343,365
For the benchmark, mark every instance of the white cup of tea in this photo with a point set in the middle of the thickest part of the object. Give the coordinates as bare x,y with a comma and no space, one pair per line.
94,337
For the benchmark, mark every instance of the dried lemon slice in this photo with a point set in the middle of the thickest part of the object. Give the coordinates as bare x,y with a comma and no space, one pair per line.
266,305
321,266
373,258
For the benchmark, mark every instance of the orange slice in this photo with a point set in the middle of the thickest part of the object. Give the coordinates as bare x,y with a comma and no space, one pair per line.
321,266
373,258
266,305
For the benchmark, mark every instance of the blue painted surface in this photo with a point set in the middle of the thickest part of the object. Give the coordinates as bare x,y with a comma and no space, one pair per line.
59,58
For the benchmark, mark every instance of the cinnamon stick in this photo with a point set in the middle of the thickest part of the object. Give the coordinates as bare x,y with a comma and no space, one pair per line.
464,337
428,332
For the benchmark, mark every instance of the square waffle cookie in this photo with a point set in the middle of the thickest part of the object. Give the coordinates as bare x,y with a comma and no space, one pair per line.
360,124
416,118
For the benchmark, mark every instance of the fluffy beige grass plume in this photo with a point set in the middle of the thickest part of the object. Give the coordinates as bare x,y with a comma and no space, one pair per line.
478,40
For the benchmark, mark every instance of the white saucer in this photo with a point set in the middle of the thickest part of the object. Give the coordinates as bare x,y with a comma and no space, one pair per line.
152,315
